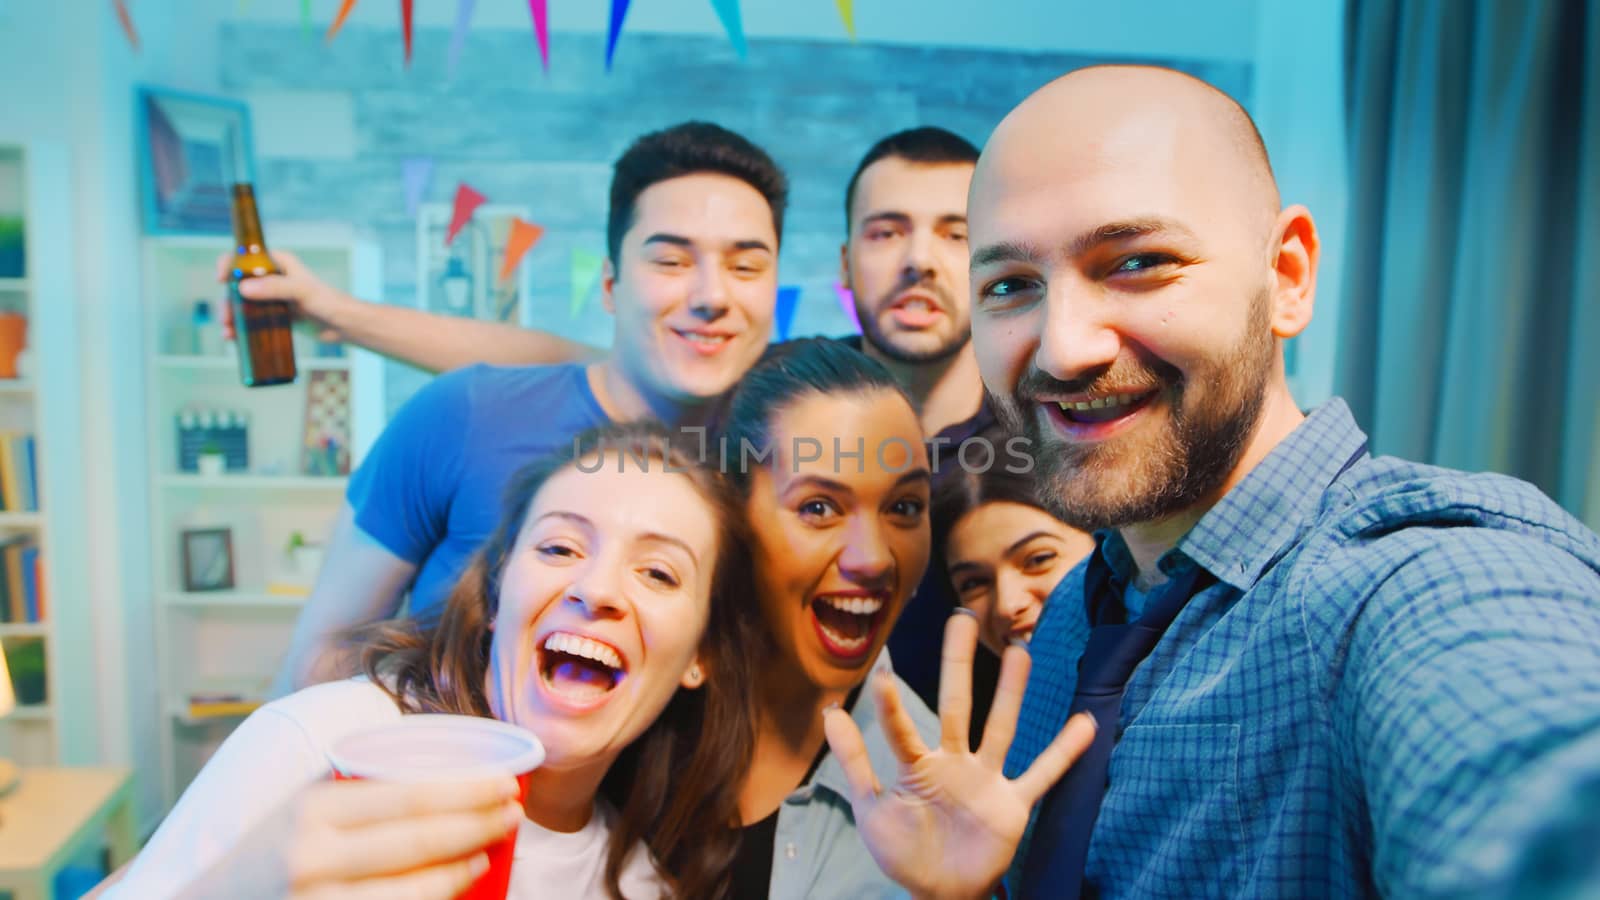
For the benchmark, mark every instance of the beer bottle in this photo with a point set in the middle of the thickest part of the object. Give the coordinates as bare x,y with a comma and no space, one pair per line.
264,328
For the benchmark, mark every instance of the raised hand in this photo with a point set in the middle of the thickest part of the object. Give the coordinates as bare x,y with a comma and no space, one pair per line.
313,299
950,824
368,839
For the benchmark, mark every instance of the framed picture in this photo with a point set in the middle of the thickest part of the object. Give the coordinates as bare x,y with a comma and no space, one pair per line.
207,559
192,150
463,278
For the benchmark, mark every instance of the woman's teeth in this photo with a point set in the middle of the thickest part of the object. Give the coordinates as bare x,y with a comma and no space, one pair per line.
580,646
861,606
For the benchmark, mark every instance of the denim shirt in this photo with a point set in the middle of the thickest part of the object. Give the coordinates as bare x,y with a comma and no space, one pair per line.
817,853
1393,688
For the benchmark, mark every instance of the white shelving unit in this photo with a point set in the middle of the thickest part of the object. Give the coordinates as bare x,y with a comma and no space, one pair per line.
232,640
34,733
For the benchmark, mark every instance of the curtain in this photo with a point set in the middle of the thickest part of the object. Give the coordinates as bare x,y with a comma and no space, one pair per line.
1470,326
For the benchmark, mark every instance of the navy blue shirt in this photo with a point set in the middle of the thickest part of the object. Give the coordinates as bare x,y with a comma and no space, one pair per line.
431,488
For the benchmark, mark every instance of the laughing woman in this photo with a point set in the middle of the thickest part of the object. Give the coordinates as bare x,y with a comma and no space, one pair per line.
648,569
829,457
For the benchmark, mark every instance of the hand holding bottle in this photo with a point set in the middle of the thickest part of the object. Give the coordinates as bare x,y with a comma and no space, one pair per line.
311,298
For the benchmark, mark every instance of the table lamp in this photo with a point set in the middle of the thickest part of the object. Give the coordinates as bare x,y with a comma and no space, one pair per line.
8,702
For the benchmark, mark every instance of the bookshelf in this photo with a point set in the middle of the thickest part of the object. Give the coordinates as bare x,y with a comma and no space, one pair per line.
225,611
35,506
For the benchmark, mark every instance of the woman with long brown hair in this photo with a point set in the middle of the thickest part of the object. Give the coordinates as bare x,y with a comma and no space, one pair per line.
607,615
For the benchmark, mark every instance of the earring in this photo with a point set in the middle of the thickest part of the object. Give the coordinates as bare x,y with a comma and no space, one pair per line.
694,673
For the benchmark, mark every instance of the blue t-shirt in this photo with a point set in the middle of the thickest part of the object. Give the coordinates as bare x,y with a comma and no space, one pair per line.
430,490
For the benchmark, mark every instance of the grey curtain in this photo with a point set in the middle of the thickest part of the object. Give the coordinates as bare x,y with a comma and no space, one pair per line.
1470,334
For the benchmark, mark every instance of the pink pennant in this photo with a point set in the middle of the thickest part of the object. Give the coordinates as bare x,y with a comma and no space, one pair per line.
521,239
467,201
416,172
541,31
847,302
338,20
127,24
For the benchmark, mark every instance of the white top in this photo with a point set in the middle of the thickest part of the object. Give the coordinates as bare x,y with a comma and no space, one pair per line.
282,748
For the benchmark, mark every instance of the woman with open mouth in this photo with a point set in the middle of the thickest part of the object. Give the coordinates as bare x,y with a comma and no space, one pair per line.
608,615
829,457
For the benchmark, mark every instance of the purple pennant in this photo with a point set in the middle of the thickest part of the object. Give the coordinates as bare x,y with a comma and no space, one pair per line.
458,37
619,11
416,172
788,300
847,302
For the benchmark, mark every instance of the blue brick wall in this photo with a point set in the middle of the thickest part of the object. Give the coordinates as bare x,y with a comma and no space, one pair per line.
547,141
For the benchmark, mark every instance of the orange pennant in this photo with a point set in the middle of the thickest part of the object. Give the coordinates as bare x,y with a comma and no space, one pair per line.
127,23
521,239
338,21
467,202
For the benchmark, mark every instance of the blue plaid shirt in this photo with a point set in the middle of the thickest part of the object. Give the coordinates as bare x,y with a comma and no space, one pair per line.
1393,688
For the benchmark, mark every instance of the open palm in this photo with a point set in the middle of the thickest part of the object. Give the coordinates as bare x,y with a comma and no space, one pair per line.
951,822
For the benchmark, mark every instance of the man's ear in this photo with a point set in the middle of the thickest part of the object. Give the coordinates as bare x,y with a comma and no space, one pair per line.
1297,251
844,263
695,675
608,281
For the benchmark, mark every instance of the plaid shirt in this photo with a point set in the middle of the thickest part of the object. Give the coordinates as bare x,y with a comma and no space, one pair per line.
1392,688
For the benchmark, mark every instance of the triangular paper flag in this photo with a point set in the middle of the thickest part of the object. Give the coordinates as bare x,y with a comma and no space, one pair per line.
585,272
788,299
733,23
541,30
619,11
847,13
405,27
467,200
305,17
338,20
127,24
847,302
522,237
416,172
458,37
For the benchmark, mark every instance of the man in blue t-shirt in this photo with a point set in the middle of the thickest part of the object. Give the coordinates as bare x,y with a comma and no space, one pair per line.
695,219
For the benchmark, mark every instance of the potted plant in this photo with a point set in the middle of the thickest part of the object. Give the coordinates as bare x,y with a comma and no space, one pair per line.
211,461
305,557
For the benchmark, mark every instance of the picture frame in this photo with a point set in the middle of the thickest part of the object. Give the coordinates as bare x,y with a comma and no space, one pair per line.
207,559
192,150
462,279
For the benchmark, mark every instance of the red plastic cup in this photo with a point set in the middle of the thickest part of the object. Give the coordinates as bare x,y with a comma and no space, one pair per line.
431,747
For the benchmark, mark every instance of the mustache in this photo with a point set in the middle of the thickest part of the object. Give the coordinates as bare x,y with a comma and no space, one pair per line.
1121,377
942,295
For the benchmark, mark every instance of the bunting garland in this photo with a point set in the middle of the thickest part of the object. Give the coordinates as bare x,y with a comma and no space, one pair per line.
733,23
467,202
405,27
338,20
521,239
586,268
788,301
847,302
847,13
619,11
127,24
458,37
541,31
415,173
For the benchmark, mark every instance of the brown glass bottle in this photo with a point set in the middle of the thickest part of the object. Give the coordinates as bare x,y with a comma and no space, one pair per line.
264,328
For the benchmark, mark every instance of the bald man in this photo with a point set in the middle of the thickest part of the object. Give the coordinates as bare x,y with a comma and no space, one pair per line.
1315,672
